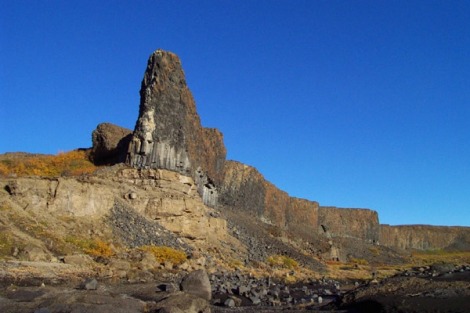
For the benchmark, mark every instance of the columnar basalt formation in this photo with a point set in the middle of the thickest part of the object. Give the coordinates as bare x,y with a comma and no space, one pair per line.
168,133
425,237
246,189
360,224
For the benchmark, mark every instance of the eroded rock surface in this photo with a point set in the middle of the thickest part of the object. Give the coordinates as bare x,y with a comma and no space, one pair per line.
168,133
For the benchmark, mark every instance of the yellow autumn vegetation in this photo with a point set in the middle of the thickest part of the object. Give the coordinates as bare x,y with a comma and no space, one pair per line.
282,261
72,163
166,254
93,247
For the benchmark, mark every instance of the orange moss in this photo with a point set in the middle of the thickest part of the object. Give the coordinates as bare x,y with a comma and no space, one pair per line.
72,163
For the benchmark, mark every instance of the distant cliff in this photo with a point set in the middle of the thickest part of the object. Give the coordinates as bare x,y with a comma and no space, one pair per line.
353,223
246,189
425,237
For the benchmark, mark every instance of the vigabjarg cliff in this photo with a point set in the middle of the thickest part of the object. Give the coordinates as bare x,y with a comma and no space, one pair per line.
168,134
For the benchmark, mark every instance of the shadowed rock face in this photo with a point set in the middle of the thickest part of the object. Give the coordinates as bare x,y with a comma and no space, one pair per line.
168,133
110,144
246,189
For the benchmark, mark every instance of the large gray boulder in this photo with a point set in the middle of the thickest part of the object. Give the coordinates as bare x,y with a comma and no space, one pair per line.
183,302
197,283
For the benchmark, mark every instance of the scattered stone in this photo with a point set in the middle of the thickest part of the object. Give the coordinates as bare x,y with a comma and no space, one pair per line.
255,300
229,302
90,284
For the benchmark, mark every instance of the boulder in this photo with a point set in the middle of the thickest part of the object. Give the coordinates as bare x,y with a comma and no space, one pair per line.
90,284
197,283
110,143
183,302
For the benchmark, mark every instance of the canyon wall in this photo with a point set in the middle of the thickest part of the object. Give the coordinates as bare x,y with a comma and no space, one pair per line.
246,189
168,135
425,237
360,224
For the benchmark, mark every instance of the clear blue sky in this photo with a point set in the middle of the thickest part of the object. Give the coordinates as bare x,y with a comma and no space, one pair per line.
349,103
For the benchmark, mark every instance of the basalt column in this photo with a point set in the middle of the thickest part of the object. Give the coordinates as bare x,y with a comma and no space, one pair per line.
168,133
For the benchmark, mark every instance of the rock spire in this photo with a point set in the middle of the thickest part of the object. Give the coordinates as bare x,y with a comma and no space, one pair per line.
168,133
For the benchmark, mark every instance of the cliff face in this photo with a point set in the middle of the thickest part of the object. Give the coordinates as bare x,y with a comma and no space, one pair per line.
246,189
425,237
168,133
353,223
160,195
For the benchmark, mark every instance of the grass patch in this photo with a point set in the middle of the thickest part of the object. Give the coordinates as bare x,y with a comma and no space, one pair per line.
359,261
72,163
166,254
39,230
421,258
281,261
235,264
6,244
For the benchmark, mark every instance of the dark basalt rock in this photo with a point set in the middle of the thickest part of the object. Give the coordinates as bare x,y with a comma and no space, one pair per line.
110,144
168,133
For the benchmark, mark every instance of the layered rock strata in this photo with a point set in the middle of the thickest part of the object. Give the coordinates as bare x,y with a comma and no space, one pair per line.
168,133
164,197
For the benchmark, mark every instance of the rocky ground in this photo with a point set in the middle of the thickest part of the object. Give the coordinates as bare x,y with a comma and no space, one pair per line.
439,288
